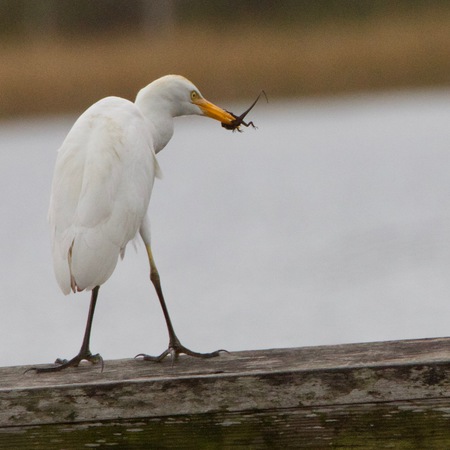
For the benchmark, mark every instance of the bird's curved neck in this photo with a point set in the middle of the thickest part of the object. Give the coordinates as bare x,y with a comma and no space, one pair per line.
157,112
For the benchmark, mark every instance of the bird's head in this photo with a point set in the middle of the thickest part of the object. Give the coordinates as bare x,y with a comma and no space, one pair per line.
184,98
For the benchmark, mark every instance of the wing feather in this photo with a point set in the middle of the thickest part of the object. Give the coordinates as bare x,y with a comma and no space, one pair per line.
102,184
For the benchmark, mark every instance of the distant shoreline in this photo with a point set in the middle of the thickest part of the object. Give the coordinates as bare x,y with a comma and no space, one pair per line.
67,75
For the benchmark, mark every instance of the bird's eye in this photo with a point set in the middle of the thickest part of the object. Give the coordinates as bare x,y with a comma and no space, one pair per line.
194,95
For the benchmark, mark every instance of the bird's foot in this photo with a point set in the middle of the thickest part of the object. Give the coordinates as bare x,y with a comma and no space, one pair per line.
175,349
61,364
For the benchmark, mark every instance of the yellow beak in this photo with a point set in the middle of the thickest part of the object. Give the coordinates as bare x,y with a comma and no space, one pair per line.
213,111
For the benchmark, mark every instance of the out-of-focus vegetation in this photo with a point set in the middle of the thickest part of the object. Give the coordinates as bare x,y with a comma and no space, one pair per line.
62,55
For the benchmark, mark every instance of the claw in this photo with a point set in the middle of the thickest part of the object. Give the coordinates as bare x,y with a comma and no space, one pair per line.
84,353
61,364
177,349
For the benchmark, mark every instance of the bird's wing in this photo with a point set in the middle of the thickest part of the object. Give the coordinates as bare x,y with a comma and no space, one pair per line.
101,188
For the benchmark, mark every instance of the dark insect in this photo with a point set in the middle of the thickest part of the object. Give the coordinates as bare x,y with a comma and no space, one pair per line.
239,120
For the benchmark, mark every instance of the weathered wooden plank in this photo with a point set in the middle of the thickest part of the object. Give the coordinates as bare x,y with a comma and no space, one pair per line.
423,424
397,371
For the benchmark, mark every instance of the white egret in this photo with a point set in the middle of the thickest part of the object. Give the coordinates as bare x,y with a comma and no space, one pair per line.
101,189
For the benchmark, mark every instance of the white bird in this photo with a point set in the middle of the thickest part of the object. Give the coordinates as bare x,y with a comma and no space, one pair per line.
101,189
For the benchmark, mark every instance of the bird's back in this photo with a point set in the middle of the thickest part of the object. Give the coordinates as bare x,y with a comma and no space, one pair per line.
101,188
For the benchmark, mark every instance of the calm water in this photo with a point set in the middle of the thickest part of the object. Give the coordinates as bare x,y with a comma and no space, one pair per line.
328,224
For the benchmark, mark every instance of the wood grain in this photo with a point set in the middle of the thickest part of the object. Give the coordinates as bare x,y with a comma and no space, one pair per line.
298,379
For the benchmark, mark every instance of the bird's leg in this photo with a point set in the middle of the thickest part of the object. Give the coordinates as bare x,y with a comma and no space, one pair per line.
84,353
175,347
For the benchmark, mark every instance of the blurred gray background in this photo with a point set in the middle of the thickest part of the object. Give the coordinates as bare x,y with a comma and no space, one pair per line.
330,223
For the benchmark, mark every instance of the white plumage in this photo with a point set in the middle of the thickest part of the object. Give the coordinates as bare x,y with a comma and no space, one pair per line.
104,176
101,190
102,184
